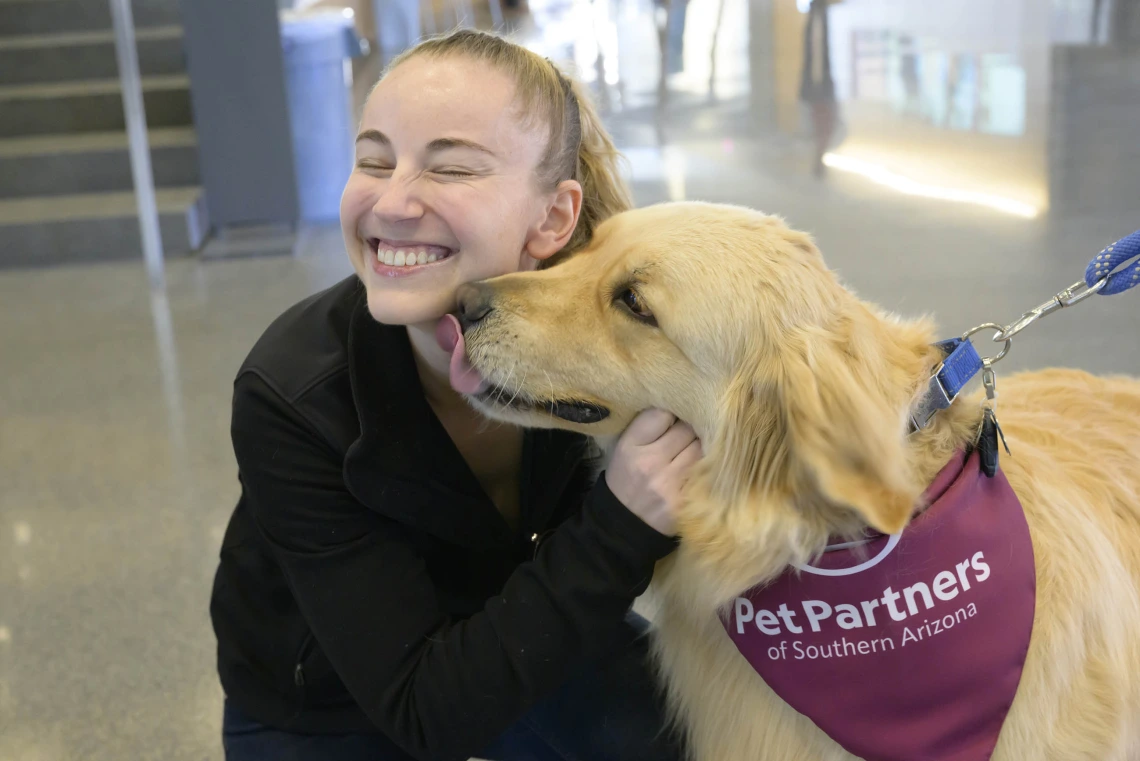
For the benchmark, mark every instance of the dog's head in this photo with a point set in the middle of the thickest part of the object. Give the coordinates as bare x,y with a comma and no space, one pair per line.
730,320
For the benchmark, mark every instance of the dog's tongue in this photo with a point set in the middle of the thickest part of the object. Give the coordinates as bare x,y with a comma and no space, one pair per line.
464,378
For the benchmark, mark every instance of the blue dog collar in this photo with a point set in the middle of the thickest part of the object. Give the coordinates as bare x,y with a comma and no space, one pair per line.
958,368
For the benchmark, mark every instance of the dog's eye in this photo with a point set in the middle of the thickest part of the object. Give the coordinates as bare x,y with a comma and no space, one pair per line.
631,300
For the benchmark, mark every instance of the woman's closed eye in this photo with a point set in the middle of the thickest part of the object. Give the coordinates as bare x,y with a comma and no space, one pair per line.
373,165
383,167
454,172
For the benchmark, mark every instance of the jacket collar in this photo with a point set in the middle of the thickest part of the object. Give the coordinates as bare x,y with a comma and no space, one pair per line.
406,467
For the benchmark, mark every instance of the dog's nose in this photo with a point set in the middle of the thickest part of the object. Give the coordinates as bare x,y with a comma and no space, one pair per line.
475,303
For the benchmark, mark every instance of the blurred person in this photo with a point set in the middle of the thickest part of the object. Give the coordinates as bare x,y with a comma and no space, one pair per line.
817,88
402,579
674,35
669,18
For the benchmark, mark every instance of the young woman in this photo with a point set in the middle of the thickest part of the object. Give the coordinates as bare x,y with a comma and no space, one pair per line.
401,578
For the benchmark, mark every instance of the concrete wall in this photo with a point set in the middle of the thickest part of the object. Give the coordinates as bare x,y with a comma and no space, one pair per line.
1094,148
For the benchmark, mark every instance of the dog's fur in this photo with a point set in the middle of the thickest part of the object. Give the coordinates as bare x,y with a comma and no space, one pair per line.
800,393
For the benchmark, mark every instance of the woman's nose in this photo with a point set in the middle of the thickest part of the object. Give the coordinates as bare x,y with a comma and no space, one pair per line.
399,200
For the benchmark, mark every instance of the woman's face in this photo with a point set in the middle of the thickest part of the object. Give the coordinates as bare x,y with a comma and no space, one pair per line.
444,189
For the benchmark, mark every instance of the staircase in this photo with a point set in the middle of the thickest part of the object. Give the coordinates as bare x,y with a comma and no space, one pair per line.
66,194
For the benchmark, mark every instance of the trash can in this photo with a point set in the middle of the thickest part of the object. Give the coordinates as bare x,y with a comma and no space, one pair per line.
317,47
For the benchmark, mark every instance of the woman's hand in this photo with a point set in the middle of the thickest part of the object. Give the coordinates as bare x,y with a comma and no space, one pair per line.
650,465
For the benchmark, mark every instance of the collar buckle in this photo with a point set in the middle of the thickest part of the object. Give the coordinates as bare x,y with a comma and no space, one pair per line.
935,399
959,365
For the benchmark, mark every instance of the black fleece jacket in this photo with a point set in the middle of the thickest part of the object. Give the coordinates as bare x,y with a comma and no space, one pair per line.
368,584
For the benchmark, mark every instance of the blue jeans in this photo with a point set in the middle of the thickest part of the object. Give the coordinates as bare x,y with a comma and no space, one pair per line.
611,712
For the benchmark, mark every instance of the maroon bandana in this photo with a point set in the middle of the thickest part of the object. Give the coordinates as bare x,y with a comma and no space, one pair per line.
909,647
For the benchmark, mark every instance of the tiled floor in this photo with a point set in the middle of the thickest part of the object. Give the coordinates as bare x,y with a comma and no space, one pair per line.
116,475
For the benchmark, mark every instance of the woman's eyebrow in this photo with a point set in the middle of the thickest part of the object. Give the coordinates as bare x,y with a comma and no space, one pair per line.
375,136
435,146
445,143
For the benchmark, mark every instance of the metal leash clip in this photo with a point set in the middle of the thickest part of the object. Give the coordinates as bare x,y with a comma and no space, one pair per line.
1074,294
1099,276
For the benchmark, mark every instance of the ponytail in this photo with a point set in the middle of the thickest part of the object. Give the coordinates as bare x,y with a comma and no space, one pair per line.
581,149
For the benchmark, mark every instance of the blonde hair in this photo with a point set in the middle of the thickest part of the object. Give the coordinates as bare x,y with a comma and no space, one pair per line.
579,147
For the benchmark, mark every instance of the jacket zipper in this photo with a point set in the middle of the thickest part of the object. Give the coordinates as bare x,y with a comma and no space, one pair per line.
299,667
307,646
537,539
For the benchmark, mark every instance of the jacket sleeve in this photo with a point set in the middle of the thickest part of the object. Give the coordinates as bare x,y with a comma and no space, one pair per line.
440,688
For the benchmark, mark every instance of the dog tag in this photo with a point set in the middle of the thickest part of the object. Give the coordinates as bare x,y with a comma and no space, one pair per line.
988,438
988,442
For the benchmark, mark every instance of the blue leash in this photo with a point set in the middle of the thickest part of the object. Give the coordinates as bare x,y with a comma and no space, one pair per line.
1112,257
1106,275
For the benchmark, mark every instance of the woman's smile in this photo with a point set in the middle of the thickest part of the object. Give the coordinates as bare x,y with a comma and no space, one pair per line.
389,258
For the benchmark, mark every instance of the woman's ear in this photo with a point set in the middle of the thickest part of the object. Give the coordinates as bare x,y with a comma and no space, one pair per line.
552,232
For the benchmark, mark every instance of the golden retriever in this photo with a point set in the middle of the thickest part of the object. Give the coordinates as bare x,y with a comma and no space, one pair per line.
800,394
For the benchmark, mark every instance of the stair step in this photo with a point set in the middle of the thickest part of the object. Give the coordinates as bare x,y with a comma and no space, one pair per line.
87,87
87,206
89,106
39,58
82,142
51,16
93,227
93,162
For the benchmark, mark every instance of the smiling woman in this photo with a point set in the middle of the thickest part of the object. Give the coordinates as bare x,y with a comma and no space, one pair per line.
383,593
514,140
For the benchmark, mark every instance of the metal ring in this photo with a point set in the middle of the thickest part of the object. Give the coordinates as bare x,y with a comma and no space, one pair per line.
999,329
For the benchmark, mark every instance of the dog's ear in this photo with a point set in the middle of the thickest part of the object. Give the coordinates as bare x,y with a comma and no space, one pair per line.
847,430
824,417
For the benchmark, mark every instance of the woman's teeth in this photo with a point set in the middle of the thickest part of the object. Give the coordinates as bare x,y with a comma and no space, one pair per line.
408,257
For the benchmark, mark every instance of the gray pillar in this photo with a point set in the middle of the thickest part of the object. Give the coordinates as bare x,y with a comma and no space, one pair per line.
762,64
241,113
1125,28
